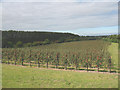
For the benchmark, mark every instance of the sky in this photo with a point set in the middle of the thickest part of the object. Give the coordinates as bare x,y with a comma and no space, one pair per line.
82,17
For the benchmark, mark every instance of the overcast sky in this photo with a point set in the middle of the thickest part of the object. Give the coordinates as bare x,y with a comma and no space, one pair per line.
74,16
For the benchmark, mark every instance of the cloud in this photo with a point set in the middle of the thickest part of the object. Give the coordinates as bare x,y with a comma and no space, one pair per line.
0,15
59,16
59,0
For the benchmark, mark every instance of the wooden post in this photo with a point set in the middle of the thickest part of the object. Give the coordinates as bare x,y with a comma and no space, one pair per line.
47,63
30,63
98,68
15,60
8,60
110,64
65,67
57,60
22,60
30,58
38,62
87,67
66,63
15,57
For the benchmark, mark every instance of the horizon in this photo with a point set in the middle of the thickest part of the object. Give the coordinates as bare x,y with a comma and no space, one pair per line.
108,34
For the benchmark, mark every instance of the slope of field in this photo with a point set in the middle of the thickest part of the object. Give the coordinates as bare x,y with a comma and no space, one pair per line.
113,49
26,77
11,38
77,54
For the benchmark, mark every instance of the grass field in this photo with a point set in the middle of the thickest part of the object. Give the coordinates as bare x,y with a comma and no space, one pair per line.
26,77
113,49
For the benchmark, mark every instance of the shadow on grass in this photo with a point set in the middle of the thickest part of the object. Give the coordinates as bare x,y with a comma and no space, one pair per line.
82,69
60,67
91,70
68,68
57,67
86,69
71,68
103,71
26,65
113,71
95,70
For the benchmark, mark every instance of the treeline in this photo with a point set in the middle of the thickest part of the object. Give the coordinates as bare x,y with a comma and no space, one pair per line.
113,38
26,38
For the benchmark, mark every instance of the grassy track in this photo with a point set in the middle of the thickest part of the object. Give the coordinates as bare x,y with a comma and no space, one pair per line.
26,77
113,49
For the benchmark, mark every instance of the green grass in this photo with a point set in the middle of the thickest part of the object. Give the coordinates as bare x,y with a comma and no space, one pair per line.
26,77
113,49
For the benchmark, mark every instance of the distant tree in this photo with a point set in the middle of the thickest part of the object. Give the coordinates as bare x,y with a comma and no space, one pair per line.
43,37
76,39
68,39
10,44
112,38
36,43
62,39
27,44
47,41
19,44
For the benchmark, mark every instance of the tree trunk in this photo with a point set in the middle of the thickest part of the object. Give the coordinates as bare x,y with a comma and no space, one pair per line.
65,67
38,64
8,62
76,67
87,67
110,68
30,58
110,64
30,64
98,69
15,62
15,59
47,64
22,63
56,65
90,65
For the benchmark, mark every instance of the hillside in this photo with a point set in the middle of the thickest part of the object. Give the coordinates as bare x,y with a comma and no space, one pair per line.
11,38
25,37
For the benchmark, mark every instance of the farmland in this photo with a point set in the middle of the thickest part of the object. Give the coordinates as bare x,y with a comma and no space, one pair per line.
73,55
61,65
